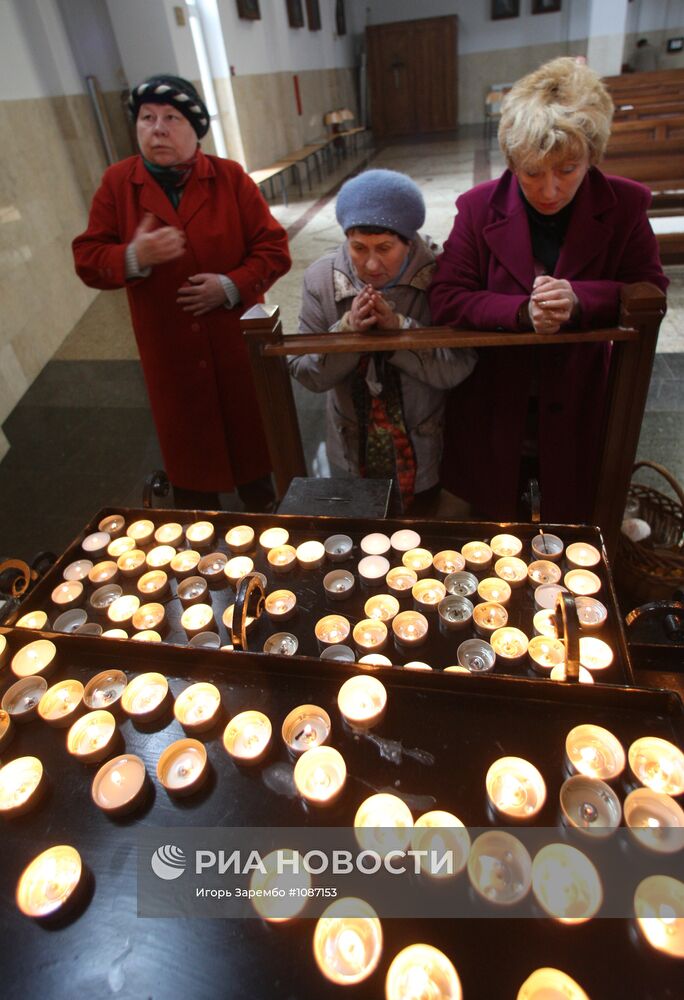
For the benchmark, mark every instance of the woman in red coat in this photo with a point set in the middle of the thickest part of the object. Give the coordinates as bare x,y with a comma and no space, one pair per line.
193,242
547,247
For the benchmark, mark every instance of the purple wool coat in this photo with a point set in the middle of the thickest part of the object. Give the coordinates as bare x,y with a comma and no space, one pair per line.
482,278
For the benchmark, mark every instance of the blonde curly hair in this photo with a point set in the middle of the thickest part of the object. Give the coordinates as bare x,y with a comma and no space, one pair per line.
562,110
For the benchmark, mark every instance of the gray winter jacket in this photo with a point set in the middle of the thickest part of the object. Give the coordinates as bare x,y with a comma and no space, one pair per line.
330,284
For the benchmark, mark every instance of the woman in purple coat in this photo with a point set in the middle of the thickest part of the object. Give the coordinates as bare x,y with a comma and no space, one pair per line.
546,247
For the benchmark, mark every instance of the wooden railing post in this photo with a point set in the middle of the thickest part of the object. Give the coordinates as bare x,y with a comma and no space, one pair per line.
642,309
261,326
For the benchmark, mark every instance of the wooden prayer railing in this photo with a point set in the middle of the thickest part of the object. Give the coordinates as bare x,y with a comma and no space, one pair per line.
634,342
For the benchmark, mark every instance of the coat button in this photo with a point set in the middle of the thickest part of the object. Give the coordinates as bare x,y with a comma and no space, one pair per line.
195,327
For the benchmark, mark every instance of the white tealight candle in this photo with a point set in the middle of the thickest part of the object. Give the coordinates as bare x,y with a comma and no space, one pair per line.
382,606
383,822
582,555
505,545
271,538
375,544
170,533
582,582
558,674
182,767
362,701
655,821
96,543
91,737
544,623
197,618
192,590
197,706
123,608
591,613
512,570
153,584
419,560
141,531
35,659
113,524
547,546
515,788
658,907
132,563
119,785
305,727
550,984
50,882
427,594
160,556
566,884
280,605
441,834
282,558
373,569
332,629
22,698
543,571
185,563
546,596
240,538
422,971
448,561
595,752
594,654
544,653
478,555
338,547
348,941
237,567
280,886
58,704
103,572
369,659
145,696
405,539
410,628
247,736
494,590
370,635
399,580
118,546
201,534
310,554
68,594
21,783
320,775
417,665
212,567
78,570
104,690
658,764
488,617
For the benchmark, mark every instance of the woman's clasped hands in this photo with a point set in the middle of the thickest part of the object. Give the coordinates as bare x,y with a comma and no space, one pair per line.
370,309
552,303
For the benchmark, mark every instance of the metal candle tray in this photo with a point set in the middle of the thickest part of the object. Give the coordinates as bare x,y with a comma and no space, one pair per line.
312,602
463,722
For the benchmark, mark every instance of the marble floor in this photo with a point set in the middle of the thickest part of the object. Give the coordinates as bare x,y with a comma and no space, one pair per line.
82,437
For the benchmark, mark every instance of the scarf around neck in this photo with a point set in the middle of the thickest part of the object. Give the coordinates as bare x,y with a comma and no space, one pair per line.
173,179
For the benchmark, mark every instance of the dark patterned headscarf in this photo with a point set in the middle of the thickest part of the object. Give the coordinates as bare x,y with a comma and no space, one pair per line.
172,90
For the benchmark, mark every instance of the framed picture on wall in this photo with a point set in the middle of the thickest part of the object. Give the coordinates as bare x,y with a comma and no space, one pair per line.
545,6
505,8
675,44
313,15
295,13
249,9
340,20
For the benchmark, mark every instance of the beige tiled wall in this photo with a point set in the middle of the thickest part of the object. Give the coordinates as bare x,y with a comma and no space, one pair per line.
267,113
50,164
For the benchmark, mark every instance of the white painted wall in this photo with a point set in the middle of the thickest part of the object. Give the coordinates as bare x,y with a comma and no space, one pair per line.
150,41
654,15
93,44
35,54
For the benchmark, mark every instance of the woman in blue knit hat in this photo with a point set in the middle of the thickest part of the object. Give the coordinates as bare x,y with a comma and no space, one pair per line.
385,410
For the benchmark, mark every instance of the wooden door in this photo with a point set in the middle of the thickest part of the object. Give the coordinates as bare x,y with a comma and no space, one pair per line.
412,73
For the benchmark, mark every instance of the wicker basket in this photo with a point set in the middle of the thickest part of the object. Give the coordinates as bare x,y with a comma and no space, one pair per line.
652,570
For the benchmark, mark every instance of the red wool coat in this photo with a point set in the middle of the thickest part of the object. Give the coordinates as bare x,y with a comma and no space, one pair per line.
196,368
482,278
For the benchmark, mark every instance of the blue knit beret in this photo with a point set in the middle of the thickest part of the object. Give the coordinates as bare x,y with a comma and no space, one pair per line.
174,90
382,198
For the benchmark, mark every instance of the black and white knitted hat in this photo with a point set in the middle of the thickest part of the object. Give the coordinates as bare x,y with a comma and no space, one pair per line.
172,90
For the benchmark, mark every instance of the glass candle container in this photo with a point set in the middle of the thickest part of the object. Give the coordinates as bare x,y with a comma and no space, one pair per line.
590,806
505,545
118,546
185,563
500,868
160,556
544,653
320,775
77,570
22,698
594,752
566,884
488,617
305,727
410,628
142,532
658,764
383,822
310,554
68,594
200,535
427,595
332,629
478,556
197,707
104,690
515,788
338,547
95,544
182,767
145,696
658,907
120,785
103,572
419,560
280,605
595,654
37,658
512,570
236,568
381,606
455,613
591,613
212,568
121,611
192,590
448,561
50,882
92,737
132,563
655,820
60,702
347,941
281,644
582,555
582,582
197,618
494,590
370,635
422,971
282,558
362,701
461,584
169,533
271,538
373,569
442,835
21,785
547,546
476,656
113,524
240,538
247,737
546,596
375,544
543,571
339,584
399,580
405,539
154,584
